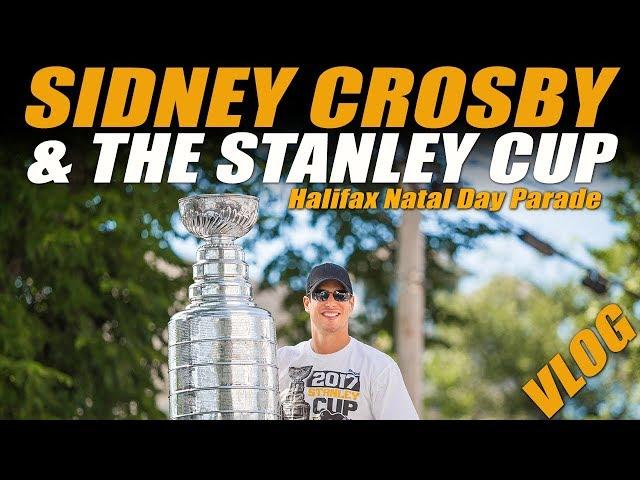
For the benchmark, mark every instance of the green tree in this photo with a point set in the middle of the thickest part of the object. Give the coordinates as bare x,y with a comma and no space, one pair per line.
501,335
621,261
498,337
83,296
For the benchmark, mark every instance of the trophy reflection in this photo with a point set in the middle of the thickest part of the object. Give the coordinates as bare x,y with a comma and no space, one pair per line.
294,407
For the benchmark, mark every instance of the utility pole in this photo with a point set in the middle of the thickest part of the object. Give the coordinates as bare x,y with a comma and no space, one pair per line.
409,332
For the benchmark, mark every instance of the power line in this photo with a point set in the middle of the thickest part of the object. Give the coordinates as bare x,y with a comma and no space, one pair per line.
593,279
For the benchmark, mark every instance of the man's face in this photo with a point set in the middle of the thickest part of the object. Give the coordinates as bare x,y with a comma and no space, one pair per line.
330,316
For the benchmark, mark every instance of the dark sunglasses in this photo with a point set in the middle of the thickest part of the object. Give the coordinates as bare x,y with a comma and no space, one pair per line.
323,295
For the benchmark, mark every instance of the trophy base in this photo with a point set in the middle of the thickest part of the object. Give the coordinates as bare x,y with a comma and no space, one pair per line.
222,364
231,416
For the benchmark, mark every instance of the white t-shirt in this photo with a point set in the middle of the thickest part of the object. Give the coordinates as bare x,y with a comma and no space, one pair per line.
357,382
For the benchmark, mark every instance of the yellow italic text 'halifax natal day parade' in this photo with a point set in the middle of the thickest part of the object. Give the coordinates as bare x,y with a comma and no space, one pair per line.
460,198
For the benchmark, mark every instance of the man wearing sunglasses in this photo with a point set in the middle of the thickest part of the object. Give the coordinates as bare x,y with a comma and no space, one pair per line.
333,376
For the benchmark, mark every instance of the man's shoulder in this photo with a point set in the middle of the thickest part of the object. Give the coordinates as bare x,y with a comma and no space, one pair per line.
291,350
379,360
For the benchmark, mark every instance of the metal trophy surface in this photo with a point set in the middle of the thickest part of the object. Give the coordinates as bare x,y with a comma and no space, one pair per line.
222,347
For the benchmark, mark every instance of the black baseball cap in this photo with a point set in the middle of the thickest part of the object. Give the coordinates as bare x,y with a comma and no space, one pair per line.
328,271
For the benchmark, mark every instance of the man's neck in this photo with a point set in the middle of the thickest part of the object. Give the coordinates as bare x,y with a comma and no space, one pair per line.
326,344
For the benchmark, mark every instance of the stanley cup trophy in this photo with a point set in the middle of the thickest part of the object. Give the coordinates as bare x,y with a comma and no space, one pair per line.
222,347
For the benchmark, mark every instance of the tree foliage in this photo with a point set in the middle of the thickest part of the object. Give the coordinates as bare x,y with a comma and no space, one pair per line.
505,331
621,261
83,304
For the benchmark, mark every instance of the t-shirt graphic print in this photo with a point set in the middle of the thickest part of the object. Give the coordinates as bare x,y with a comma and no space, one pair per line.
357,382
334,394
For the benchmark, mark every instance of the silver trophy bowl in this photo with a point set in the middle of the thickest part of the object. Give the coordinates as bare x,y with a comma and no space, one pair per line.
210,216
222,347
